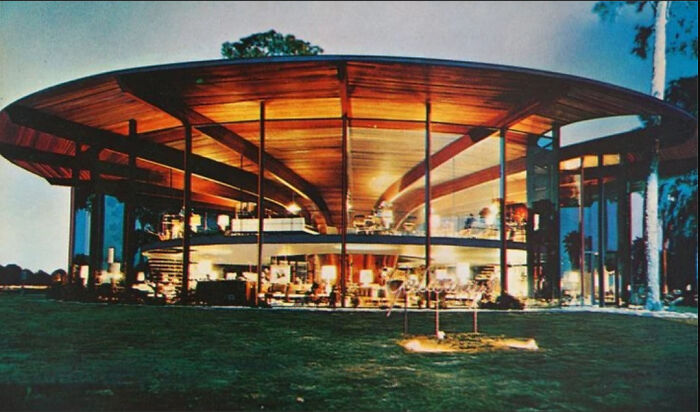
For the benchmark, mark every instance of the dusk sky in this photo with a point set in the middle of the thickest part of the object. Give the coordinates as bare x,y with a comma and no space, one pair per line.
44,44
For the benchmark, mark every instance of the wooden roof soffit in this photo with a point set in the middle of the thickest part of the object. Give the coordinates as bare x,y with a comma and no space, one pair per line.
226,137
470,138
407,203
21,153
81,134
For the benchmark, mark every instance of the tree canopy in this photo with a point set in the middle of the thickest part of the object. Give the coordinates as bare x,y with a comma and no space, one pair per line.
269,43
683,31
682,39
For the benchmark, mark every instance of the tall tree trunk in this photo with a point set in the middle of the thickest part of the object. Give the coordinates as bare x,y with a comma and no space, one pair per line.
651,203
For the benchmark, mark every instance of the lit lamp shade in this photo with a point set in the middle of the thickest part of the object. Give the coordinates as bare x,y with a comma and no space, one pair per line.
441,274
328,273
366,276
223,221
204,267
435,221
293,208
84,271
463,270
195,220
493,209
387,217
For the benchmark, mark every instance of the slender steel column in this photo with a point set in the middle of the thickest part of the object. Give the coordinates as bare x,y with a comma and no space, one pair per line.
623,229
344,212
427,200
602,232
96,220
556,265
502,208
582,235
261,191
71,238
187,206
129,216
75,175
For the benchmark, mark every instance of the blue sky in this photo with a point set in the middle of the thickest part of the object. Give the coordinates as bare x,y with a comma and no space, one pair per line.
43,44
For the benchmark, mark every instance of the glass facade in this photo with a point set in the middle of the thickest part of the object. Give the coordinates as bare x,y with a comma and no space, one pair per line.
506,216
300,256
80,255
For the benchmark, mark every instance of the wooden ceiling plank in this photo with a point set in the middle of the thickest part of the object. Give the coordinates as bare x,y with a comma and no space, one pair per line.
467,140
229,139
153,152
408,202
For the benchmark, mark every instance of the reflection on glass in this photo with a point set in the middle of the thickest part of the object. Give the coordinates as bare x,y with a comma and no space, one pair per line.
81,236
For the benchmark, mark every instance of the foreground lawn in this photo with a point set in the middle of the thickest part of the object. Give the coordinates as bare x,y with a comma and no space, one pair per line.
58,355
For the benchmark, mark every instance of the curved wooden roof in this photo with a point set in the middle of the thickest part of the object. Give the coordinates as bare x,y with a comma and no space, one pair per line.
50,132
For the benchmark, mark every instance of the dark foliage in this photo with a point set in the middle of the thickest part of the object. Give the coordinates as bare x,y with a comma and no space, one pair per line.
503,302
681,34
269,43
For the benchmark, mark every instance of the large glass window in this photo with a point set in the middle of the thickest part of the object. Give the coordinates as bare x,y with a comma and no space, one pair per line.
570,236
531,212
81,235
112,239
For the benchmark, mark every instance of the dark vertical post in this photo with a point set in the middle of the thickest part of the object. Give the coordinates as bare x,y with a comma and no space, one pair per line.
129,216
261,190
623,229
75,176
96,220
582,235
555,266
502,208
71,238
344,212
602,233
427,198
187,205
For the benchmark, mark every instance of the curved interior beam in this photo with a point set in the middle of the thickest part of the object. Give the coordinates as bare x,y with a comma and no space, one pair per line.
227,138
208,169
475,135
406,204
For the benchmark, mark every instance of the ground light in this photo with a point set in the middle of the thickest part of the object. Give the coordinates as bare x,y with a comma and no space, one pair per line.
441,342
466,343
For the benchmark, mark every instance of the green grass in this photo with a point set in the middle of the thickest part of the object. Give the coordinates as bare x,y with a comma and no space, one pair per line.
58,355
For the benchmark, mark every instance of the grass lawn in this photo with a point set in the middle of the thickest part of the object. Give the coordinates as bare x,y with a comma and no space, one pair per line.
59,355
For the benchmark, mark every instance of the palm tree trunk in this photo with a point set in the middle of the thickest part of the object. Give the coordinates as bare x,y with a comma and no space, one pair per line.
651,221
651,203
